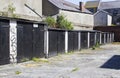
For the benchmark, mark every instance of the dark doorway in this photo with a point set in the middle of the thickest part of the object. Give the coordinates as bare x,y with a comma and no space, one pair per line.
30,41
72,41
4,42
56,42
84,40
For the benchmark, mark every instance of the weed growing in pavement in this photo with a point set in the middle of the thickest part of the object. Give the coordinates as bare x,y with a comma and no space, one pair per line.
97,45
93,48
70,52
24,59
75,69
18,72
35,59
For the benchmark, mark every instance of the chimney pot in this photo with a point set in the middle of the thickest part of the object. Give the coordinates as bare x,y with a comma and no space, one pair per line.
80,5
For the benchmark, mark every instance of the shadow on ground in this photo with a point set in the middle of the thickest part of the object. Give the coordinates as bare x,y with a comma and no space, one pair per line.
112,63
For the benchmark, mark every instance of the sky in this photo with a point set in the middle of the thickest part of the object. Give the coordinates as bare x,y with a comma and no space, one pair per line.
77,1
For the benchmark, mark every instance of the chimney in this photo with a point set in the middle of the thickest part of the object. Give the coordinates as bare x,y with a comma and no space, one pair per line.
80,5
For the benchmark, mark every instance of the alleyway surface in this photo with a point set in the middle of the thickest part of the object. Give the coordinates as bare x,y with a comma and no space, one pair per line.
104,62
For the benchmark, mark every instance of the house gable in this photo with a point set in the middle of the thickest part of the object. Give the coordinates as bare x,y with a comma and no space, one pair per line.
49,9
101,18
101,11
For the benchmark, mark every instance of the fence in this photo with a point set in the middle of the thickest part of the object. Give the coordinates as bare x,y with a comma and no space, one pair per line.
22,39
112,29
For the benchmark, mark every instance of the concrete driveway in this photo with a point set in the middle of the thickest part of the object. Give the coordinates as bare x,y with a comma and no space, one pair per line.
104,62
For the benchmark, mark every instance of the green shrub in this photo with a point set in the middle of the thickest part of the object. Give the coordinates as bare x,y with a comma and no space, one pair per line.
50,21
61,22
64,23
59,19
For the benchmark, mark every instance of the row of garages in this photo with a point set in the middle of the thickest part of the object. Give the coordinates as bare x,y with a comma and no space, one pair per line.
21,39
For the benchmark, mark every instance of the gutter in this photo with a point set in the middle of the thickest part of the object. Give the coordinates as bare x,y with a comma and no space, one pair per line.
75,11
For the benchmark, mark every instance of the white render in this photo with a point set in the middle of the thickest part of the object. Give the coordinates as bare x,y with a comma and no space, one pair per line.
100,38
79,40
109,21
46,43
13,41
66,41
80,20
88,39
21,10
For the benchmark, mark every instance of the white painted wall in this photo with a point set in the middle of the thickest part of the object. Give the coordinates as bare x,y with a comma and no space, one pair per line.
109,22
13,41
21,10
80,20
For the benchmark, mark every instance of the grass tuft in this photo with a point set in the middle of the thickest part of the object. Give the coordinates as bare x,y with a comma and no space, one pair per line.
75,69
18,72
71,52
24,59
35,59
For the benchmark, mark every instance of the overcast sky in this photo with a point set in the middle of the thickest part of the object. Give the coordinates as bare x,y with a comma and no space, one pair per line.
77,1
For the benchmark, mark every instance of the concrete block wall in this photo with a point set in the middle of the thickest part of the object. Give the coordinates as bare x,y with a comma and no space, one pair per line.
81,21
20,10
